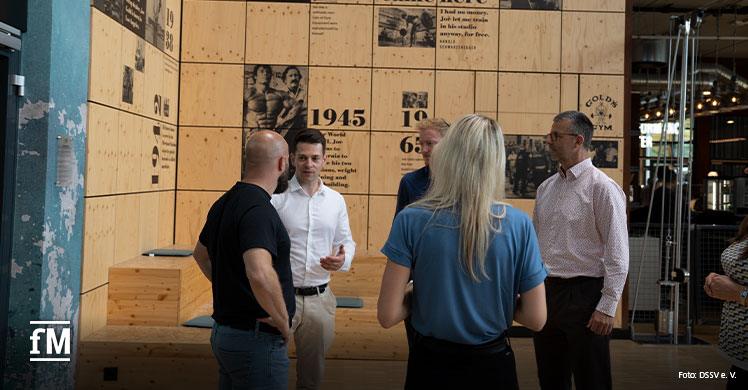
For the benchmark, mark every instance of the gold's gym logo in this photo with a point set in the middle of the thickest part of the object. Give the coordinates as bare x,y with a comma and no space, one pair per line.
600,108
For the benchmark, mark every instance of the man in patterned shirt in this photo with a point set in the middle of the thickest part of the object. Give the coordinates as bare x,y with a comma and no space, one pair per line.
580,219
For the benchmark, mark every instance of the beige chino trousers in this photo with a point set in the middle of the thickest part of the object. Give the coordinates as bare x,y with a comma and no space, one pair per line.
313,328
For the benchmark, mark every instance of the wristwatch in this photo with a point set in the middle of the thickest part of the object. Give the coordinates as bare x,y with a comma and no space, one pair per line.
744,297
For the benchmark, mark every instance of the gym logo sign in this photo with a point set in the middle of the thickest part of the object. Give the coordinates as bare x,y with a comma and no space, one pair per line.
56,340
600,109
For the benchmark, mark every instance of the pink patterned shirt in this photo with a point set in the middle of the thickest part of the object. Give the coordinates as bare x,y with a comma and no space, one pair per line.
580,219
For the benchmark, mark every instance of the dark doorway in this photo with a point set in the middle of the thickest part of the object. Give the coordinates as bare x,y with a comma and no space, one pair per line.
9,68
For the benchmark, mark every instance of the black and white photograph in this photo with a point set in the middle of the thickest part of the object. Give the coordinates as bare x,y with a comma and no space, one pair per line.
604,154
407,27
275,98
415,99
112,8
528,164
140,56
154,27
531,4
127,82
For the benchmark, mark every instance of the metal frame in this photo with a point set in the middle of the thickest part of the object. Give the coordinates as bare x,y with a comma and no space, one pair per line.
9,154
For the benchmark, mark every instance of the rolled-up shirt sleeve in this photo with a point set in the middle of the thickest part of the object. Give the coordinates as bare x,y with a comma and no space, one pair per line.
610,220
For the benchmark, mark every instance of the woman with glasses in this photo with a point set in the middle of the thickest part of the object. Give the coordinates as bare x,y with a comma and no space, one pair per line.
476,266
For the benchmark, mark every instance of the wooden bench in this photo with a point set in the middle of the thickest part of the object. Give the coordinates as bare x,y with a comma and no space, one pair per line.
156,291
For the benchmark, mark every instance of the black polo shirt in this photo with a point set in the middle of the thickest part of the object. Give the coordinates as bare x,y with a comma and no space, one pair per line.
242,219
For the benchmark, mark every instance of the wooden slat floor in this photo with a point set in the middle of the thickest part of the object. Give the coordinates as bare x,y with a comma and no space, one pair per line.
635,366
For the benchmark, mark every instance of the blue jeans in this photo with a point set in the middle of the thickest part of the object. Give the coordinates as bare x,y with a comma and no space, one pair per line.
249,359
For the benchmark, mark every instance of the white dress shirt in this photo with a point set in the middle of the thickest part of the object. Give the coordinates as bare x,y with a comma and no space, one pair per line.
317,225
580,219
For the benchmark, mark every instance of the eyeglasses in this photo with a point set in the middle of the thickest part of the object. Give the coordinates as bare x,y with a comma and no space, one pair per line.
555,136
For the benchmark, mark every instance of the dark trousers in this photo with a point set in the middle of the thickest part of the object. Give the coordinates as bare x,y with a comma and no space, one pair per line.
565,346
740,382
440,364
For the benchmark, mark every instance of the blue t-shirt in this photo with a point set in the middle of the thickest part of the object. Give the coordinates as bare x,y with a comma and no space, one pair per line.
412,187
447,303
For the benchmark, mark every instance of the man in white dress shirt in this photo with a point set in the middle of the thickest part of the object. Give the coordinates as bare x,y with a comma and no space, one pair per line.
580,218
316,218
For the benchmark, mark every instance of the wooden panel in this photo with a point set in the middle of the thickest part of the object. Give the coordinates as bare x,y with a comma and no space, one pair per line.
149,214
530,41
582,49
101,144
528,102
392,156
155,292
215,33
392,109
192,209
98,241
486,92
173,28
211,95
195,295
526,205
154,81
133,80
455,95
166,218
395,46
358,211
170,92
93,311
126,227
129,153
277,33
351,92
340,35
363,280
601,98
105,79
347,166
569,92
594,5
467,38
209,158
381,213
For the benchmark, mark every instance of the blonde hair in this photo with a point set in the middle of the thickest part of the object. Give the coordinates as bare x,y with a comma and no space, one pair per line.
467,169
437,124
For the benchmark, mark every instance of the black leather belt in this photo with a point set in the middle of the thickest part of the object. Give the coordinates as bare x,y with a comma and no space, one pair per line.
255,325
306,291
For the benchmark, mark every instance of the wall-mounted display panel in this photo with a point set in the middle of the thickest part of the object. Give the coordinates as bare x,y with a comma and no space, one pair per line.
216,31
340,35
401,98
530,41
277,33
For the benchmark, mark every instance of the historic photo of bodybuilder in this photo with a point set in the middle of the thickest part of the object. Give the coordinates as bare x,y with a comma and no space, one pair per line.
528,164
407,27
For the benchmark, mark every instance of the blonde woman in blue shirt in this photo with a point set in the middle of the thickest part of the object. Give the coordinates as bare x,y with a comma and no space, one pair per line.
475,263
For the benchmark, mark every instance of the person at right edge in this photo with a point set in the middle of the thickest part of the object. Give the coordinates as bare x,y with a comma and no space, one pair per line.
580,219
244,251
732,288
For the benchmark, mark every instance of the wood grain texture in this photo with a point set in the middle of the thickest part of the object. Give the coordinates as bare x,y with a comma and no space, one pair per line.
277,33
530,41
211,95
208,20
204,152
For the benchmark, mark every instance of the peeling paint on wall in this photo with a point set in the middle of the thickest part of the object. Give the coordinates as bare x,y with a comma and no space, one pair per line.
30,111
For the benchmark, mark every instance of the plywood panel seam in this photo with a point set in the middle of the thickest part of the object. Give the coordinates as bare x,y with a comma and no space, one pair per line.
153,118
95,288
128,193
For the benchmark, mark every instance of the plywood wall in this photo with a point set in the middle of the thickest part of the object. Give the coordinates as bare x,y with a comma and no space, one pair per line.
520,66
132,140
